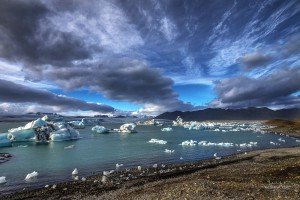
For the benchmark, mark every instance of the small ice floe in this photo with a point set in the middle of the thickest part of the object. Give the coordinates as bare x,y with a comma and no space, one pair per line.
128,128
249,145
169,151
75,172
189,143
46,186
168,129
297,140
23,146
221,144
31,176
76,178
281,140
216,157
119,165
2,179
83,179
156,141
224,131
139,168
106,173
99,129
70,147
104,179
53,186
273,143
155,166
181,158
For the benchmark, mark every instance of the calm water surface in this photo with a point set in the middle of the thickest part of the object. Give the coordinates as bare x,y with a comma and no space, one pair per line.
98,152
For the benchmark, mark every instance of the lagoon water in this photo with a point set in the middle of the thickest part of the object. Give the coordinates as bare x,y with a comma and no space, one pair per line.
94,153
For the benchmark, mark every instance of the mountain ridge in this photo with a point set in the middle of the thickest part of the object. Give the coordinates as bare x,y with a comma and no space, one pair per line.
250,113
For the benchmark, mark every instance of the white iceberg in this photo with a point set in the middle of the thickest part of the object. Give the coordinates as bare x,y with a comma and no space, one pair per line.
77,124
128,128
20,134
168,129
156,141
31,176
189,143
4,141
99,129
64,134
36,123
2,179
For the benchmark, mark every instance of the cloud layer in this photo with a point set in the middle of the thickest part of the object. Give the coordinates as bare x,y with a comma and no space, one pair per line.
16,93
275,89
136,51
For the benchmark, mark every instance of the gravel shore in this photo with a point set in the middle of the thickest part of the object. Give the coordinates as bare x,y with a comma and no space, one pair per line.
265,174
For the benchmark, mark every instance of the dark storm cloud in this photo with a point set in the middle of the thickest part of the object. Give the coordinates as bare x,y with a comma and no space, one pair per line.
16,93
254,60
114,47
22,38
127,80
273,89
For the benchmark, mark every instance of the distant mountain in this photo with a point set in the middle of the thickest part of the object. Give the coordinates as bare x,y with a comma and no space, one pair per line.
250,113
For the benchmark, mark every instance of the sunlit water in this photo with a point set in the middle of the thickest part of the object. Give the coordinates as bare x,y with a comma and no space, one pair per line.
98,152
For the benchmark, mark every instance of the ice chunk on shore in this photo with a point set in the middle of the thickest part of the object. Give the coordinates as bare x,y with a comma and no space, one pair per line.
4,141
2,179
75,172
168,129
31,176
189,143
128,128
119,165
99,129
156,141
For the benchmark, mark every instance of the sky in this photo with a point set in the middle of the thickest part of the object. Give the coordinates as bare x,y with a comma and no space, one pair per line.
147,57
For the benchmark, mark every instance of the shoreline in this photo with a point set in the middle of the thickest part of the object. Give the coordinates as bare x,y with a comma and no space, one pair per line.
122,181
125,180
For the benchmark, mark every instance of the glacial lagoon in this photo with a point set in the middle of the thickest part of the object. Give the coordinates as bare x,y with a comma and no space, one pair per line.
94,153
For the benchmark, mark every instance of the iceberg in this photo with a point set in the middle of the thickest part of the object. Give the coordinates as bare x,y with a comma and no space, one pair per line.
90,121
38,130
64,134
189,143
4,141
99,129
168,129
128,128
31,176
36,123
20,134
2,179
77,124
156,141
